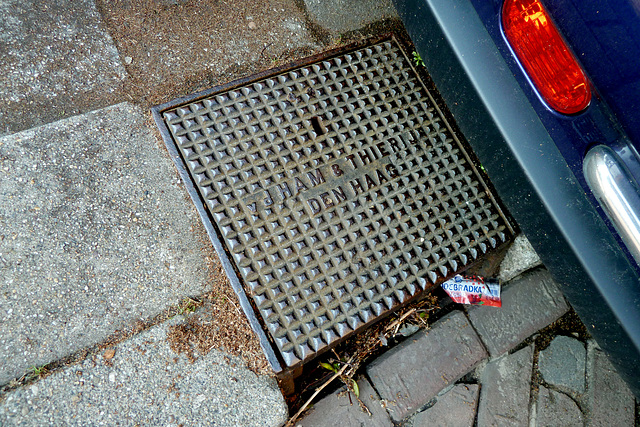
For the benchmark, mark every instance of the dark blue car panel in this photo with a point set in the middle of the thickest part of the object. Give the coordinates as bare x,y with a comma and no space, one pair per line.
575,135
606,37
515,138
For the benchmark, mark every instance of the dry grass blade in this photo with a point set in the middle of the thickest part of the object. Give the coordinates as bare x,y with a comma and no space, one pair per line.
363,347
395,325
293,419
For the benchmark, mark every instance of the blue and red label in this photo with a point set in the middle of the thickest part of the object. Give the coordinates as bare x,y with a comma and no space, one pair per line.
473,291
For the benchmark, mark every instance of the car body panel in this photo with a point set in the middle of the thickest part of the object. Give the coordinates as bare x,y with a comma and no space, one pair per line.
514,138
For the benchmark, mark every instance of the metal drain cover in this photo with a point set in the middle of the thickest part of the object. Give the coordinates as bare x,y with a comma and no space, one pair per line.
334,192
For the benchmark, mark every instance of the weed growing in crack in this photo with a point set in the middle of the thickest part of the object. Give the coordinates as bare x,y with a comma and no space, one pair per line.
39,371
188,305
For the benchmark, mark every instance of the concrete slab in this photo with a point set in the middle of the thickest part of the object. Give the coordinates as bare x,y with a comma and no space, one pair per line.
609,397
562,364
411,374
337,410
347,15
529,303
145,383
95,233
556,409
519,258
505,390
455,408
57,61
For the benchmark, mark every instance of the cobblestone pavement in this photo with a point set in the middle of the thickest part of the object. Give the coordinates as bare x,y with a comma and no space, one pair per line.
483,365
98,234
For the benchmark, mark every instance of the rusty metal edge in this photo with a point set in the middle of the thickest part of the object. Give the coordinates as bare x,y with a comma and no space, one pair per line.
265,343
274,71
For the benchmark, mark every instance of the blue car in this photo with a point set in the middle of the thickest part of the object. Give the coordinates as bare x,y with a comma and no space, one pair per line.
548,95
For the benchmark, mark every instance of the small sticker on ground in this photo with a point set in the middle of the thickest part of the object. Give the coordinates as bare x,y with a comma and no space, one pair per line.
473,291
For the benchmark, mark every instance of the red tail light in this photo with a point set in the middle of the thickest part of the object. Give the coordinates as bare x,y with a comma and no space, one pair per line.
545,56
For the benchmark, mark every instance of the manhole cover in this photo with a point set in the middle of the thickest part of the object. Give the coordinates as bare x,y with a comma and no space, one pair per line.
334,192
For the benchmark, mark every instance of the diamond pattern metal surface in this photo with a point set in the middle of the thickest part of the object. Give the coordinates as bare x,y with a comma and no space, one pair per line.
338,190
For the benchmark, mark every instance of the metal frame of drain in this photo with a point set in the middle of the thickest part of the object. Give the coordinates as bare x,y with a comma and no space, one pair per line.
334,191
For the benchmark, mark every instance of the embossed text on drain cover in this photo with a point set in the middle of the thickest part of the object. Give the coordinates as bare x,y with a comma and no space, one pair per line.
338,191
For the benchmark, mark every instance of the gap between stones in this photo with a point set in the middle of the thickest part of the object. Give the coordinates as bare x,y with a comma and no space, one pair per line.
190,337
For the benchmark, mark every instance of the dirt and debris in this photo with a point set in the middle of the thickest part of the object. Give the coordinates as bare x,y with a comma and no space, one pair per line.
172,48
569,325
349,358
220,324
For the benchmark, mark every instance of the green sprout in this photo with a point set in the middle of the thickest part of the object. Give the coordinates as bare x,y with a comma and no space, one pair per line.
335,368
417,59
188,305
39,370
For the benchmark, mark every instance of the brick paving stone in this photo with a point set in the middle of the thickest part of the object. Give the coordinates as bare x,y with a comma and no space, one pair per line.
506,387
609,396
557,409
337,410
529,304
414,372
562,364
455,408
